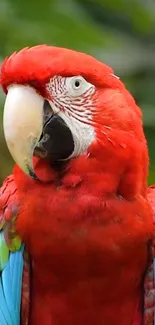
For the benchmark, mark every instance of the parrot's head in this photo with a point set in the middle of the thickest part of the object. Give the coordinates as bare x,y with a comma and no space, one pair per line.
62,104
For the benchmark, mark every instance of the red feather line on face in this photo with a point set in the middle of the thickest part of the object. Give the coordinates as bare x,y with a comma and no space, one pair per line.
38,64
79,107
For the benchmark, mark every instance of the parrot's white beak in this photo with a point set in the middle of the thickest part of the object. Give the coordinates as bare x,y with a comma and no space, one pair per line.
32,126
23,124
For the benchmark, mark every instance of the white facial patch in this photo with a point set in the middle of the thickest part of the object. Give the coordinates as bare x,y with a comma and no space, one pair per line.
71,99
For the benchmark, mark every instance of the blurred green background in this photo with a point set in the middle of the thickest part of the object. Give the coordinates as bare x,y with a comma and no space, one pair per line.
120,33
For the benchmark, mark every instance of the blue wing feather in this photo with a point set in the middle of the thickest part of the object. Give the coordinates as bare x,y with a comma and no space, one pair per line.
10,289
17,280
4,314
6,289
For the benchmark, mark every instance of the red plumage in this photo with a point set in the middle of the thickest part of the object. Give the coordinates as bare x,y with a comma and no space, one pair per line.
39,63
87,229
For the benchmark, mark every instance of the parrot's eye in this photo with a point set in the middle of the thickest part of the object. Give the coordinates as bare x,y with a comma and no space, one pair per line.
76,83
76,86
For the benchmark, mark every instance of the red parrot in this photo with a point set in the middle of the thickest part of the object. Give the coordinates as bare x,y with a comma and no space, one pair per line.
76,216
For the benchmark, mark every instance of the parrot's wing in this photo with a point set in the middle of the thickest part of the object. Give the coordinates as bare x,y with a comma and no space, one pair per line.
13,264
149,283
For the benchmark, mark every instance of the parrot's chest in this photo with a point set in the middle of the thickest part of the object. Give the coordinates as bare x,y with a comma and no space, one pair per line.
86,255
79,274
83,229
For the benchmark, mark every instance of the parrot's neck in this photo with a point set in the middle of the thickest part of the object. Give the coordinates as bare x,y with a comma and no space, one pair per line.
87,243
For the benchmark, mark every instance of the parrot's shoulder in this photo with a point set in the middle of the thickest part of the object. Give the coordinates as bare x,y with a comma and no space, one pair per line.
9,240
12,260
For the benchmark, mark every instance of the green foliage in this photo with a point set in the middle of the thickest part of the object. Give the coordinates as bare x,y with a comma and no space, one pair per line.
120,33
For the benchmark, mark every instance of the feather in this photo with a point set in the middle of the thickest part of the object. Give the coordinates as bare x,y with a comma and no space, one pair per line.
10,289
17,277
5,318
4,252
